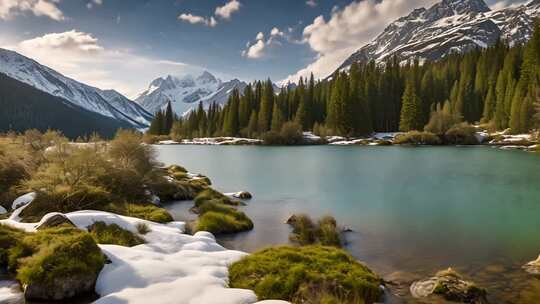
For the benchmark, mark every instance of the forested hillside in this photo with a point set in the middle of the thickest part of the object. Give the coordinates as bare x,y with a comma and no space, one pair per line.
24,107
497,86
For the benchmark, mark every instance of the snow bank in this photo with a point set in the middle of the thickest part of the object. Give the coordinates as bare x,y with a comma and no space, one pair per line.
168,142
171,267
10,293
311,138
23,200
3,210
222,141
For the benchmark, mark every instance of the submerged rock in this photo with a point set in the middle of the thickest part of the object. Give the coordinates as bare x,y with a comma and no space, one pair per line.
242,195
55,220
291,220
533,267
449,285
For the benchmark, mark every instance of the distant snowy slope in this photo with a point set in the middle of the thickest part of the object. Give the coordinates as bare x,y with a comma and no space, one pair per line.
90,98
450,26
186,92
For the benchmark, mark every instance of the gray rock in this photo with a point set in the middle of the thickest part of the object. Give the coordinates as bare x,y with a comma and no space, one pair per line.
55,221
449,285
61,288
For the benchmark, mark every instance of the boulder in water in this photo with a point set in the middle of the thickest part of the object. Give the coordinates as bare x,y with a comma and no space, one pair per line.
449,285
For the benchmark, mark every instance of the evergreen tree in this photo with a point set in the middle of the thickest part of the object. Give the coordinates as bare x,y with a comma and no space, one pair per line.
411,111
168,119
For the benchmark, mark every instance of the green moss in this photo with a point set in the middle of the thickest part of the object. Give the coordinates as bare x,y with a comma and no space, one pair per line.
113,234
440,289
56,252
175,169
219,218
9,238
306,232
210,194
145,211
306,275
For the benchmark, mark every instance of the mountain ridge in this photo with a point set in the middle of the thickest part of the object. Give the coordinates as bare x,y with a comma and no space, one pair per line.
447,27
186,92
93,99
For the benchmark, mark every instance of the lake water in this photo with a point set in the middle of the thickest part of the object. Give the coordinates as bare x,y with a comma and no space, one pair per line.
414,211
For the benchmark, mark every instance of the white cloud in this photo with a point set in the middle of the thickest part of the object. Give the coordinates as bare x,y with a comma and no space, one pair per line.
223,12
194,19
47,8
276,32
311,3
256,50
228,9
80,56
347,30
72,41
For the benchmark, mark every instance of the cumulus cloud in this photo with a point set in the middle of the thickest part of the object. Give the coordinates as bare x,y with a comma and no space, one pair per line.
224,12
72,41
347,30
81,56
311,3
47,8
228,9
258,49
194,19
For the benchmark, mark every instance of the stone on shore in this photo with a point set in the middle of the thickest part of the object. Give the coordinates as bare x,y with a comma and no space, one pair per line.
449,285
533,267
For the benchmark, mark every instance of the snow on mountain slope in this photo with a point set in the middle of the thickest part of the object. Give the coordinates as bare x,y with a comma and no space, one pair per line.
185,93
447,27
127,107
90,98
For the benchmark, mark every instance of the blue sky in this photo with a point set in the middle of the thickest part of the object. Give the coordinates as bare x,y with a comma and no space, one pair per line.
124,44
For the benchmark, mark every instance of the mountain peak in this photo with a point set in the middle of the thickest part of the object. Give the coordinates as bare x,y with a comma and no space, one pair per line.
207,77
466,6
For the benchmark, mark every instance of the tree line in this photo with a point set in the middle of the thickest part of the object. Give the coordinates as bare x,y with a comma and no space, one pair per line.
497,86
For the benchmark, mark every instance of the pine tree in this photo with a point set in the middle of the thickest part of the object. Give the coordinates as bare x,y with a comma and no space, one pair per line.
168,119
253,125
411,111
265,112
277,118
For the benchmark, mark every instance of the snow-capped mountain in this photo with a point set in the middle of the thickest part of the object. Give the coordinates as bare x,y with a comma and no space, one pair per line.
447,27
186,92
107,103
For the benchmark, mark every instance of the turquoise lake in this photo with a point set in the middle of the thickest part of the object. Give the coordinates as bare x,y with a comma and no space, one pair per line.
414,211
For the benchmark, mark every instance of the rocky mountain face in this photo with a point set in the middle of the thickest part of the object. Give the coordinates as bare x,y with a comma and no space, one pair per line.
107,103
448,27
186,92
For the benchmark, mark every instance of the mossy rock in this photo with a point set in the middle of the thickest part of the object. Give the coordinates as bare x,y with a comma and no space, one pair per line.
56,263
221,219
176,169
114,234
145,211
210,194
309,274
449,285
